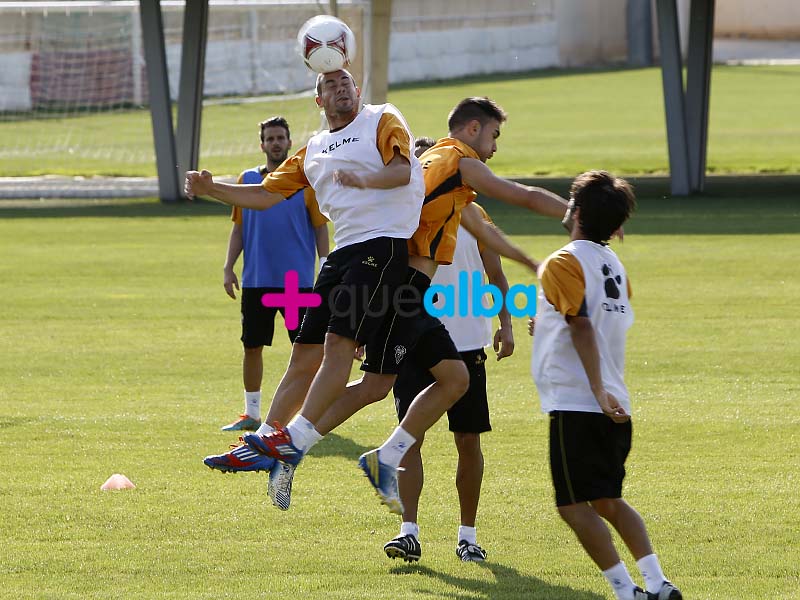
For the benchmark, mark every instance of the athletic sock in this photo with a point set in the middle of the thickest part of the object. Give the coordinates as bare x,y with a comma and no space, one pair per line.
252,404
620,581
303,433
395,448
265,428
470,534
652,573
409,528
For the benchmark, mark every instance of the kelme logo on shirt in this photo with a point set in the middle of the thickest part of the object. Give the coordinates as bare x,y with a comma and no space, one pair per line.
339,144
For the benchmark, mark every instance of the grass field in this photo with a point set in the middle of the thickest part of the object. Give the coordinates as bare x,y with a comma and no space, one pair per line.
559,122
119,352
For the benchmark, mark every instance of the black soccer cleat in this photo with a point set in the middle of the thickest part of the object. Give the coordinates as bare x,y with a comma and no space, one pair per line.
470,552
403,546
667,592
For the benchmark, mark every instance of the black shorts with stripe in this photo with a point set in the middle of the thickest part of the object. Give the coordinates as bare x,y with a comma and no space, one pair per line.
587,456
258,321
356,285
409,328
470,414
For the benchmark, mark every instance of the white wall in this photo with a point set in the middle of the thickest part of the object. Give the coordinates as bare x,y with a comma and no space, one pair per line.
590,32
765,19
471,51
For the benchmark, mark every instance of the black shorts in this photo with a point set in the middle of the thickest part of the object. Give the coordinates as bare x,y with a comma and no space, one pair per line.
409,328
470,414
356,284
258,321
587,456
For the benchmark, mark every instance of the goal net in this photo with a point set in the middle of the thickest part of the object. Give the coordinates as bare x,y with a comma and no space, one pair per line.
74,94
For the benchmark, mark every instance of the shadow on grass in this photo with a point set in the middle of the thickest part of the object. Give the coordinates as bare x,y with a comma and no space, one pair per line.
336,445
549,73
508,583
109,208
730,205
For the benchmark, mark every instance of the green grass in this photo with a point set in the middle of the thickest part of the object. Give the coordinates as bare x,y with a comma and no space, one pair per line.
560,123
119,353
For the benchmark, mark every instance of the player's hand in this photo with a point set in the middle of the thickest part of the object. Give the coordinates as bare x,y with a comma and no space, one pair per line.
503,342
349,179
198,183
532,265
611,407
531,326
229,281
359,354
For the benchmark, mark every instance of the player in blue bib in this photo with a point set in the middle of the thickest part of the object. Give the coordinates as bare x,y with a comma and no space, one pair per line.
276,241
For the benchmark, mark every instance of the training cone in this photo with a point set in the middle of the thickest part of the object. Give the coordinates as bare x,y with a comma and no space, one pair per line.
117,482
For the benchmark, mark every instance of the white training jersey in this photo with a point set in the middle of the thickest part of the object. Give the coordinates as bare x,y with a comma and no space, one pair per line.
469,332
585,279
362,214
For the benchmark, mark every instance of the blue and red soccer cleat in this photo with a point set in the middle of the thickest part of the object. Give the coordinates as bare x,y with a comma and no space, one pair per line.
276,444
240,458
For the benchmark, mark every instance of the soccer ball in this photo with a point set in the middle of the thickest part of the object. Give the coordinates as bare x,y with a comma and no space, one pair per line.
326,44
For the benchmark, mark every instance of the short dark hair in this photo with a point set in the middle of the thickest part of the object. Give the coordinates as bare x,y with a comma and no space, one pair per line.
274,122
421,144
475,108
605,201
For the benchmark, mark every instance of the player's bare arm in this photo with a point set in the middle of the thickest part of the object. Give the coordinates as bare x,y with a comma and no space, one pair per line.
481,179
493,238
503,342
395,174
235,246
254,196
581,331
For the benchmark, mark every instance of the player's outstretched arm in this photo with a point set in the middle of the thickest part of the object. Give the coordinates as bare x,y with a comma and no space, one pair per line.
493,238
481,179
396,173
581,331
254,196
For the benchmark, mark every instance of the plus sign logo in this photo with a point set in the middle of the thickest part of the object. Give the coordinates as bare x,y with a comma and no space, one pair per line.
291,300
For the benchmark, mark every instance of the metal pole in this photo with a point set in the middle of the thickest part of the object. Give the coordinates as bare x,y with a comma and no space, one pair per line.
698,88
672,81
378,67
158,82
190,93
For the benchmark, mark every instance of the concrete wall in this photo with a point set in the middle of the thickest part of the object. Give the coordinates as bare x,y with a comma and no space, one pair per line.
431,40
590,32
764,19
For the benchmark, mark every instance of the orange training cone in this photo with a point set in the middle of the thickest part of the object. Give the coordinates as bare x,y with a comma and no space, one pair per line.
117,482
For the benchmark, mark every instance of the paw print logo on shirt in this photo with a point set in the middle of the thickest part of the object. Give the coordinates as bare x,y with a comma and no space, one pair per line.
612,282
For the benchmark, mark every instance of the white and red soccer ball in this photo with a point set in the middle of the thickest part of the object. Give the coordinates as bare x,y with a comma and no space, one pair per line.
326,44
